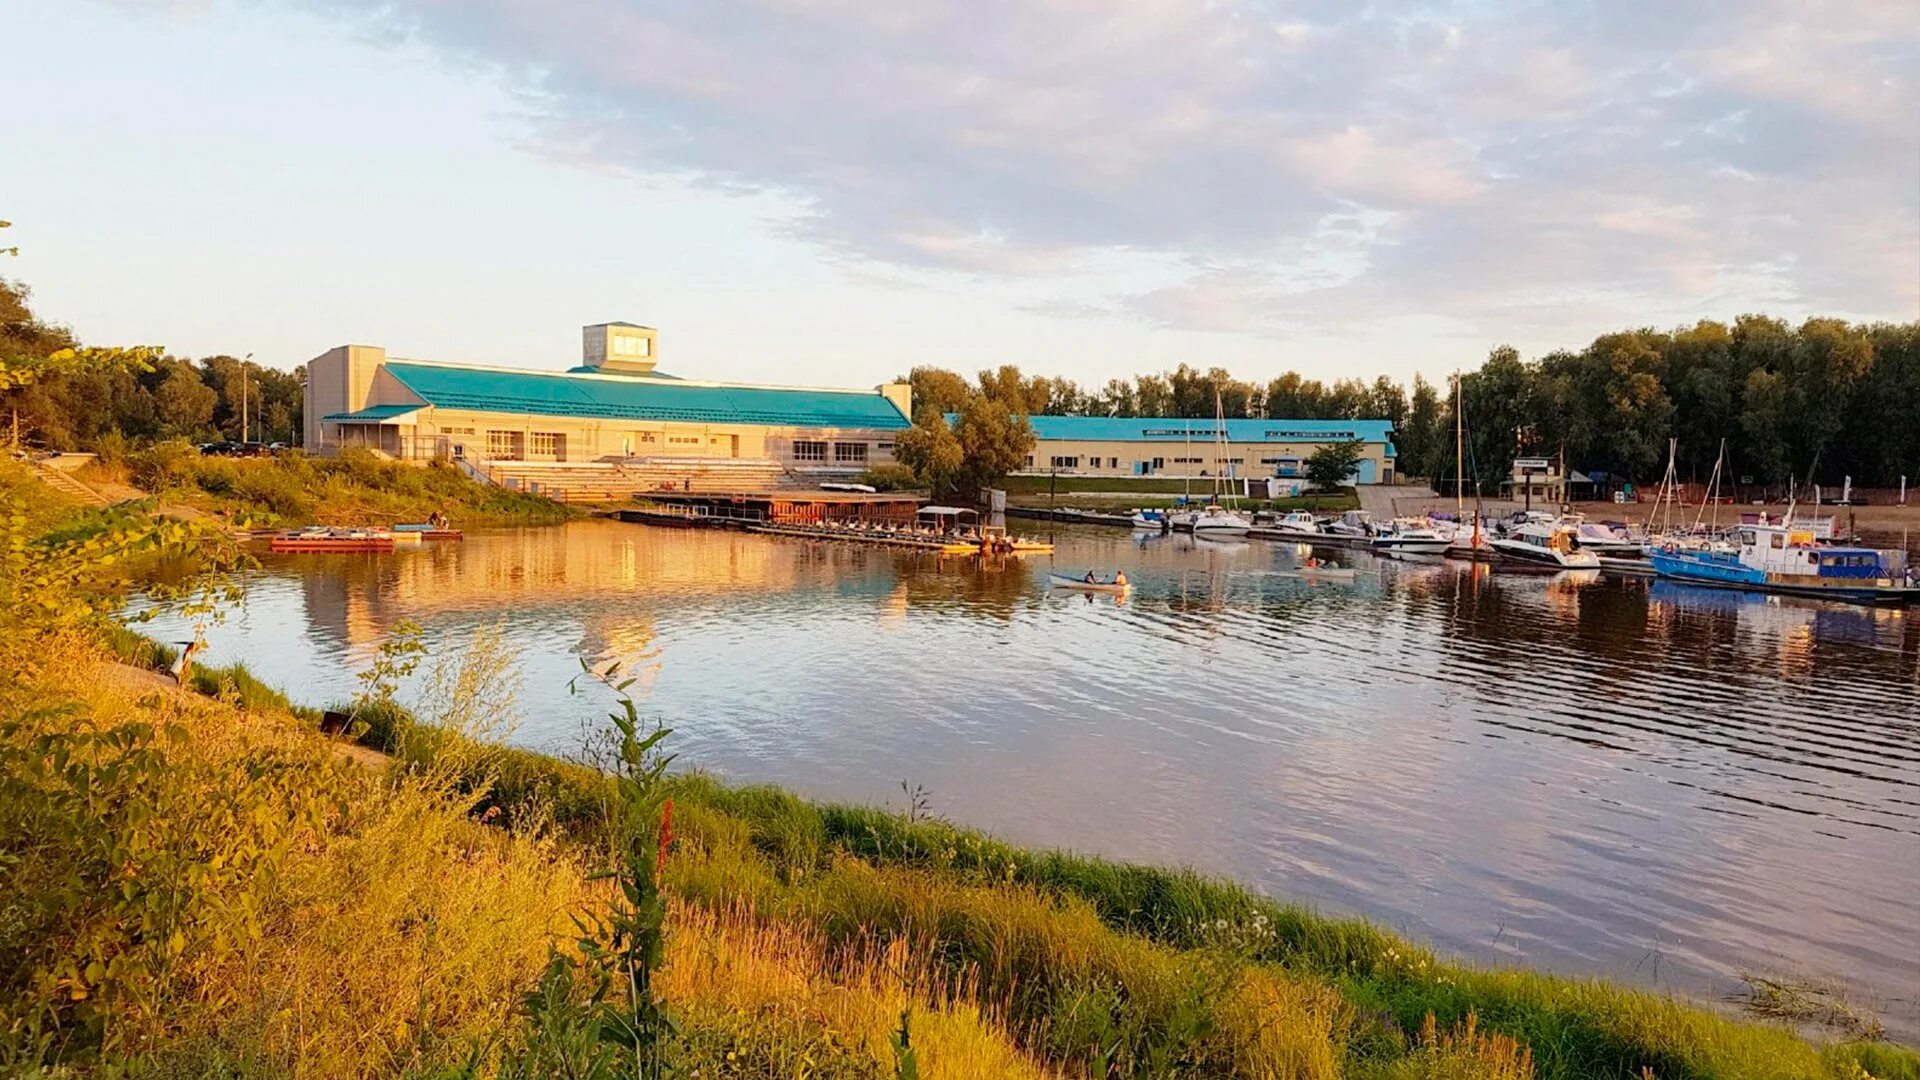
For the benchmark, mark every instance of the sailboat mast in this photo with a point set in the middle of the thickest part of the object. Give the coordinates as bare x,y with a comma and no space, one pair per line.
1459,454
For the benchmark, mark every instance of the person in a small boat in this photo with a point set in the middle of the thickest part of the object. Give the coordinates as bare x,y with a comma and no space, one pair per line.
1091,580
1119,577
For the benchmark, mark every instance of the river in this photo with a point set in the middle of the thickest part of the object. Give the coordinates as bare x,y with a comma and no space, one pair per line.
1660,783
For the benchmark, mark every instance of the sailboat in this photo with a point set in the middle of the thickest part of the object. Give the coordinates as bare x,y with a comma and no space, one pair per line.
1215,520
1468,543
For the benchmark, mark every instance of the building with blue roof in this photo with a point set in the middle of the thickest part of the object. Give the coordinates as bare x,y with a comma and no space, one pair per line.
614,406
1186,447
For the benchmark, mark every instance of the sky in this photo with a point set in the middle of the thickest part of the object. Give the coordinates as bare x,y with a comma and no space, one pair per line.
832,191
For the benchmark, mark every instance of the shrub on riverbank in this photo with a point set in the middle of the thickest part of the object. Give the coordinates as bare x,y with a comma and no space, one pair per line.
189,887
355,487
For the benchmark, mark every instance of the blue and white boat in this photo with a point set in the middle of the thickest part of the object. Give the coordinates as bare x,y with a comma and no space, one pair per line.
1790,560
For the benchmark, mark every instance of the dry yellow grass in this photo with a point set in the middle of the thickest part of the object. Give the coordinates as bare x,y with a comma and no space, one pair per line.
730,968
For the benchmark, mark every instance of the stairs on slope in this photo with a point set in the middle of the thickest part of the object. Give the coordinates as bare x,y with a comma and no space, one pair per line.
66,484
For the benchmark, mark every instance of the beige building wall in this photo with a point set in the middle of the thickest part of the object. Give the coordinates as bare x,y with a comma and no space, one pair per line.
338,380
1175,460
477,436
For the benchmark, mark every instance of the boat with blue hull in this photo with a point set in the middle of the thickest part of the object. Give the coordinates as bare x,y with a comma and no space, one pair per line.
1790,560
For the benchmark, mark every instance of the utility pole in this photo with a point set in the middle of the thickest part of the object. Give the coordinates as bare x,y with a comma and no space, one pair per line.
243,398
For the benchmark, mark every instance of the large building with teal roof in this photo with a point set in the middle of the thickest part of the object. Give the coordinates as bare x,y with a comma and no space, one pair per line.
613,406
1179,447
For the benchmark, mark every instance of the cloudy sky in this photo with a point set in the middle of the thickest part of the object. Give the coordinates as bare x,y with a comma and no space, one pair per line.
830,191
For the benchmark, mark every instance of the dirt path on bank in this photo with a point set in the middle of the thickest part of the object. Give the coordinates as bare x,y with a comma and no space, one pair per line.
139,680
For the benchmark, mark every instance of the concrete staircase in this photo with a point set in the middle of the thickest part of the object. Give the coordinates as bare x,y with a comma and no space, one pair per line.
64,482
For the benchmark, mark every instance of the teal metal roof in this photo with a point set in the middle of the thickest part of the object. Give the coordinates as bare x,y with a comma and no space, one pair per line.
1162,429
371,414
625,398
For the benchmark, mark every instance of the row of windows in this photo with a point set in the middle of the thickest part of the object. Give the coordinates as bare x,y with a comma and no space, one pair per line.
844,453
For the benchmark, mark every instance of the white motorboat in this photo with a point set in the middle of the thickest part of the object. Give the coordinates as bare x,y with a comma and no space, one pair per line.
1155,520
1545,545
1352,523
1414,540
1298,523
1606,539
1212,521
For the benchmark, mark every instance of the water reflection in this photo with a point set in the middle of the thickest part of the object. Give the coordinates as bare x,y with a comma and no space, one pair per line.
1653,781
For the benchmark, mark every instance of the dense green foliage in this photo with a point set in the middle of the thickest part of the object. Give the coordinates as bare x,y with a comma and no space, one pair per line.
353,487
68,398
1822,400
965,438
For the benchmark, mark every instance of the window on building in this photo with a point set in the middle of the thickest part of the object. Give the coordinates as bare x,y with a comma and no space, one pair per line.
1029,461
850,453
645,438
883,448
1066,462
547,444
503,445
805,450
456,431
1159,463
628,345
684,440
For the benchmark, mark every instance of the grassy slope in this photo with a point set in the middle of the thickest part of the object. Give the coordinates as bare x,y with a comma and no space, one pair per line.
798,932
355,488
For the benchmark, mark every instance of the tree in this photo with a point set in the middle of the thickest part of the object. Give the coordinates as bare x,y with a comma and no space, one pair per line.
1333,465
1419,439
937,390
183,404
985,442
931,450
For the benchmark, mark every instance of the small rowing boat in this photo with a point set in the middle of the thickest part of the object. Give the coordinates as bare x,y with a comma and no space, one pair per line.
1061,581
427,531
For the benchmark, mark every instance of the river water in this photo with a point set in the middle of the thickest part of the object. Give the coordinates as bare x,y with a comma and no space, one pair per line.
1660,783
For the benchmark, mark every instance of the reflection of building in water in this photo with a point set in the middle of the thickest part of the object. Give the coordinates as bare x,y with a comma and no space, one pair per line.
626,639
354,599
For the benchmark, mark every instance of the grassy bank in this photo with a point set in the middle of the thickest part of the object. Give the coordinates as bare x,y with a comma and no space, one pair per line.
196,885
354,488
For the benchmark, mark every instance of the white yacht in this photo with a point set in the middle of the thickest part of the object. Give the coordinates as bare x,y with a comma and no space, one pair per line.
1299,523
1545,545
1212,521
1352,523
1413,538
1604,539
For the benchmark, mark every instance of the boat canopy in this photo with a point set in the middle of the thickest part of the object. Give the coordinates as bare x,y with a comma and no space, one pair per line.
946,511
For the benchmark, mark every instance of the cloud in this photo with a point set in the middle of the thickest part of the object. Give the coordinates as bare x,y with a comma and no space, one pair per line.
1306,165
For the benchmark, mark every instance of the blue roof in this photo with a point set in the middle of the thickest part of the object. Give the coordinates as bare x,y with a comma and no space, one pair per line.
371,414
1163,429
629,398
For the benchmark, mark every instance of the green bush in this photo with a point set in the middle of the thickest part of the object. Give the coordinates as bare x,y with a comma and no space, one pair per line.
890,478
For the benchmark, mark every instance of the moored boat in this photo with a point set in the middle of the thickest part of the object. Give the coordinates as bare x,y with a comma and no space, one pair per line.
1298,523
1546,545
1789,560
1413,538
1150,519
331,540
427,530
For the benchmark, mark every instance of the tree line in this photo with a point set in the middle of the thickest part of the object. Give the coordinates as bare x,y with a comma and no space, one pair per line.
134,395
1815,402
